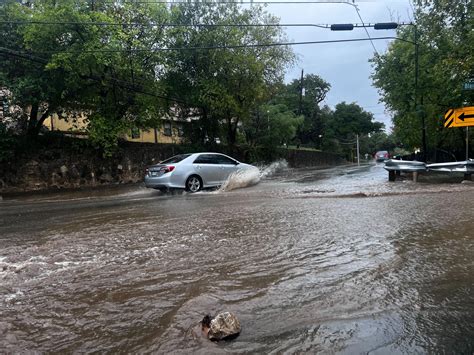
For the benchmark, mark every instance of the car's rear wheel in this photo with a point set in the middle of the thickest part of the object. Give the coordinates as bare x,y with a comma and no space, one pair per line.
193,183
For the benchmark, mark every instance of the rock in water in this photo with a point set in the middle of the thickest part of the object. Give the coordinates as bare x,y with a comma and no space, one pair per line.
224,326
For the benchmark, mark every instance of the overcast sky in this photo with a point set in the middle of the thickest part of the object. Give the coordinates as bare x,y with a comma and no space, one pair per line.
344,65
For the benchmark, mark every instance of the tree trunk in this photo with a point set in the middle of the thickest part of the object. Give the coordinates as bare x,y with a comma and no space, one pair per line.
35,124
203,132
40,122
230,133
33,120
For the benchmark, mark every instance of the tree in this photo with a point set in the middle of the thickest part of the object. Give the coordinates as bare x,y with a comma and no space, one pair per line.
272,125
118,63
350,119
226,85
107,71
315,91
36,91
446,60
379,141
345,123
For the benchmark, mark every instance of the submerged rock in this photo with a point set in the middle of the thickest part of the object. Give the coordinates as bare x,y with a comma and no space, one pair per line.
223,326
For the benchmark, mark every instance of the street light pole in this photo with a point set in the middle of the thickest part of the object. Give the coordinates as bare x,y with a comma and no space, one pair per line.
358,154
301,93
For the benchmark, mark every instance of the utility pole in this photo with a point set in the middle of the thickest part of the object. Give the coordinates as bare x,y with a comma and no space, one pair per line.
419,107
301,93
358,155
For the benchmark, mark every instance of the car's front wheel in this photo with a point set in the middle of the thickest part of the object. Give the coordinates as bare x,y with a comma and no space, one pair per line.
193,183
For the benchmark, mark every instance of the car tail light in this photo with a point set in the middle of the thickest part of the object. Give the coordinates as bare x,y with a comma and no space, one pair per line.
147,171
168,169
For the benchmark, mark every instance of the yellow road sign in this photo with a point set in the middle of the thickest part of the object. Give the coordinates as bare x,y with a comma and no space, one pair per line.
459,117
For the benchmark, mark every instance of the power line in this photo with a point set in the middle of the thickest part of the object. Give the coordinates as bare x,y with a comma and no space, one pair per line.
152,24
92,23
164,49
216,3
366,31
121,83
188,3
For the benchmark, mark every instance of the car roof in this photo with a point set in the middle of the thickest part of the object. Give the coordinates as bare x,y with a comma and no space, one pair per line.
208,153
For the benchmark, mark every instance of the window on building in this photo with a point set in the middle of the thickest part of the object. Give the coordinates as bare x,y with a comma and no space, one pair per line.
180,130
5,105
167,128
135,133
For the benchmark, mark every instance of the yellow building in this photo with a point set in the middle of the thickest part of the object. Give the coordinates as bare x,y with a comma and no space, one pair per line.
171,131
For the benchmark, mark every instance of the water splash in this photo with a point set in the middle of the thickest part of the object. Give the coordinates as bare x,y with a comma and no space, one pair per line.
252,175
273,168
241,178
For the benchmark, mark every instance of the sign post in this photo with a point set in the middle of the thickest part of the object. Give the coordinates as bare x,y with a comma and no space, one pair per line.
467,143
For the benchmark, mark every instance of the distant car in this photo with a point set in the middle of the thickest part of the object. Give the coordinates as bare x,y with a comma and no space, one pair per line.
381,155
192,172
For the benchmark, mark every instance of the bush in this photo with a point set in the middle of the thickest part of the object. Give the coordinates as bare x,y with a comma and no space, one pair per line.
7,144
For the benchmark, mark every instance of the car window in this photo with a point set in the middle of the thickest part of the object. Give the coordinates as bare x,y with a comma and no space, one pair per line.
222,159
175,159
206,159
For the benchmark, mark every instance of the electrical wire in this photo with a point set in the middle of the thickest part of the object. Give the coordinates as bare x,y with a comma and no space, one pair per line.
92,23
121,83
164,49
366,31
152,24
189,3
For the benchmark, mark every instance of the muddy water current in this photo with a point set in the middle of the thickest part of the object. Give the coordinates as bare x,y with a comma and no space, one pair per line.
311,261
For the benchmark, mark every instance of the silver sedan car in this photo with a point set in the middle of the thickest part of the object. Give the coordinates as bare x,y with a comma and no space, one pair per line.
192,172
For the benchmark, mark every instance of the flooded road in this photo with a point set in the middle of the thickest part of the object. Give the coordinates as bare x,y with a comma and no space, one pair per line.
330,261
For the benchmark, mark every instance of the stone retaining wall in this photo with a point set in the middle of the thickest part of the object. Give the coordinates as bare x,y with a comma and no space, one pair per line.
65,166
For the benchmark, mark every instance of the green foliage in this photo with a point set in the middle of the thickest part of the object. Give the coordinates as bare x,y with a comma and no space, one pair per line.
105,70
7,144
307,105
104,134
379,141
272,125
350,119
224,85
344,124
114,75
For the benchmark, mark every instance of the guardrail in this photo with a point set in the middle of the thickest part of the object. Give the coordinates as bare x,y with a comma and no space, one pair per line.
395,167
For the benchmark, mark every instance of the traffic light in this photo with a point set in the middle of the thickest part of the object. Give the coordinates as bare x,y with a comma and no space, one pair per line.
342,27
386,26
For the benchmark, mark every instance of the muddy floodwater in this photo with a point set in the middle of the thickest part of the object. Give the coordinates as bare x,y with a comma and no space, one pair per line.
311,261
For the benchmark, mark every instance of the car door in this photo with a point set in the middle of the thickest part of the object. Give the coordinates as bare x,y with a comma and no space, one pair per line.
227,166
207,167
